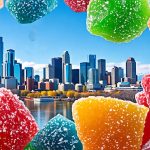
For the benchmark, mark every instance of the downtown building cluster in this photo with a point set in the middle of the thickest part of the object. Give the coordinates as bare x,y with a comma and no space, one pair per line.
59,75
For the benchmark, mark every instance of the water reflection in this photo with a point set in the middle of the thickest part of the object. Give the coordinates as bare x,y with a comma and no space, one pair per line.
42,112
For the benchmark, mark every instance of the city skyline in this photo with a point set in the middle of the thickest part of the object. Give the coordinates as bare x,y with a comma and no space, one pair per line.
36,43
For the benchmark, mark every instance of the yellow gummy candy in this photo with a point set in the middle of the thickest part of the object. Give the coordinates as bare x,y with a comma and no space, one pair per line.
109,124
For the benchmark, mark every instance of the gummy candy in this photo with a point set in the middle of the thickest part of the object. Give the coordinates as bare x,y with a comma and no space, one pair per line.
17,126
109,124
118,20
146,87
1,4
58,134
28,11
141,98
77,5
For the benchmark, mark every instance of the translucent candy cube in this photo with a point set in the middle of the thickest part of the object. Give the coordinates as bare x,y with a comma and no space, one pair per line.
109,124
77,5
58,134
17,126
28,11
118,20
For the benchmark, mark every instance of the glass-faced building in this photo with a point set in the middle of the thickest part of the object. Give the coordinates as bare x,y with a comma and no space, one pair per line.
18,72
131,70
28,73
102,69
92,76
57,66
92,61
84,67
37,78
1,56
75,76
68,73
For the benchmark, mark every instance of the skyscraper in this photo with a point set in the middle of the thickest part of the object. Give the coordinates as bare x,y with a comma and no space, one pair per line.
92,61
120,74
75,76
102,69
44,73
37,78
49,72
1,57
28,73
93,76
57,65
18,72
65,60
9,63
68,73
84,67
114,75
131,70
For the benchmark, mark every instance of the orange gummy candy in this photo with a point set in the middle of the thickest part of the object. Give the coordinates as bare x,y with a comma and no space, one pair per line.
109,124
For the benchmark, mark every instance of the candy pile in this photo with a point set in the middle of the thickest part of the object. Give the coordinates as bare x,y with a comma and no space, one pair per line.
77,5
143,98
17,126
109,124
58,134
28,11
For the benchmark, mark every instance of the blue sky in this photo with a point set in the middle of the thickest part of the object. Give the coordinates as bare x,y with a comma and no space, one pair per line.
64,29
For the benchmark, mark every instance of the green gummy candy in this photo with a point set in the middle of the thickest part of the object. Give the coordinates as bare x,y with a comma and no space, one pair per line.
118,20
29,147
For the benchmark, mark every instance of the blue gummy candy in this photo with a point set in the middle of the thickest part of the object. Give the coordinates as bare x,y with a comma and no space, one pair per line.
28,11
58,134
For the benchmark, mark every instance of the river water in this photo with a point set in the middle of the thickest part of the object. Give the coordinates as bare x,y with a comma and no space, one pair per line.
43,112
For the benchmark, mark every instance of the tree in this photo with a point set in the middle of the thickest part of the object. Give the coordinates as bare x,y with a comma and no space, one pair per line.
24,92
70,94
43,93
76,95
52,93
84,88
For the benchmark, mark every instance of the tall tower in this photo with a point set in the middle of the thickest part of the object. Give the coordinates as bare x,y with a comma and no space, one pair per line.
68,73
92,61
131,70
18,72
28,73
120,74
102,69
114,75
1,57
93,76
57,66
10,60
65,60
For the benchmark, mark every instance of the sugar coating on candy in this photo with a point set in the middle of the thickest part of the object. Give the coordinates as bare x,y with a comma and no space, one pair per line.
77,5
58,134
1,4
17,126
109,124
28,11
118,20
141,98
146,87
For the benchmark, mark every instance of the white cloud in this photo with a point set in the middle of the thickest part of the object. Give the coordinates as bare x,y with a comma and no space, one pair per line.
38,68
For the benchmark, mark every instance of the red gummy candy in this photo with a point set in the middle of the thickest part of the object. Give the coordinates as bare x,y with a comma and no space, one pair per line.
146,87
141,99
17,126
77,5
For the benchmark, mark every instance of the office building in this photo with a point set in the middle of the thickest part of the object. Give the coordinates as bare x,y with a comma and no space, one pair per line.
49,71
36,78
84,67
102,69
1,57
131,70
114,76
65,60
57,65
18,72
28,73
30,84
120,74
92,61
75,76
67,73
10,83
92,76
44,73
